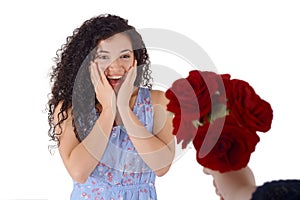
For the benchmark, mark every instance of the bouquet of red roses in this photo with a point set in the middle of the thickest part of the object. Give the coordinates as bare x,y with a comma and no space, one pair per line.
220,116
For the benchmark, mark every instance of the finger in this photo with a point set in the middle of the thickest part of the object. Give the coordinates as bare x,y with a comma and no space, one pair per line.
133,66
93,74
133,75
103,77
135,63
99,73
128,76
206,171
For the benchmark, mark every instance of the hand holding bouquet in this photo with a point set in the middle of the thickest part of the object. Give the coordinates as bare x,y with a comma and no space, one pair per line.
220,115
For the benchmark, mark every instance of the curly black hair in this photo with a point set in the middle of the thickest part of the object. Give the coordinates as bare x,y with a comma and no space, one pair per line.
70,79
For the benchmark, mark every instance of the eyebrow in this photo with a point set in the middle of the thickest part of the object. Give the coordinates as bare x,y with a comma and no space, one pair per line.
103,51
125,50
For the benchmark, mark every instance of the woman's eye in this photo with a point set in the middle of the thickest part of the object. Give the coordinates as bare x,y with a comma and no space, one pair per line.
125,56
102,57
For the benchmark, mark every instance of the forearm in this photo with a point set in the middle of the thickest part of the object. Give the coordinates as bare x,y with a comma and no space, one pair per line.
86,155
157,154
95,143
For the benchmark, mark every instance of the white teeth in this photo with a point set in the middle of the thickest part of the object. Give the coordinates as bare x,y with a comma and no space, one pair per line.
114,77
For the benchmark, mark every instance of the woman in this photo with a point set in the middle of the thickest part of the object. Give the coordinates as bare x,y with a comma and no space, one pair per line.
112,130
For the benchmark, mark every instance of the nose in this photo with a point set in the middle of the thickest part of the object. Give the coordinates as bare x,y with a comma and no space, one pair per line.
115,66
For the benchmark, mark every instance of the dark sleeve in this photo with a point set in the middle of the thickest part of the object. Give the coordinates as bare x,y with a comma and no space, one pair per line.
278,190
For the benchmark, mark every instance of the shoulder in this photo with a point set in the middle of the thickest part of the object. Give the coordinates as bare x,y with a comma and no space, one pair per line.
158,97
61,113
60,107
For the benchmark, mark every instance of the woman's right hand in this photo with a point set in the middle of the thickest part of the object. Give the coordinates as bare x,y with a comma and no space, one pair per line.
104,92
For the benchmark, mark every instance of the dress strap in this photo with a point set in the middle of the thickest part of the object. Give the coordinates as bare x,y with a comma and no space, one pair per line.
144,96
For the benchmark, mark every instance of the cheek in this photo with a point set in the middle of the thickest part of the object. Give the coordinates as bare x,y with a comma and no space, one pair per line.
126,68
103,68
127,64
102,64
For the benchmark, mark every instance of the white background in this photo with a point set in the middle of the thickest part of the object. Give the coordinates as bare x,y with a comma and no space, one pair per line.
256,41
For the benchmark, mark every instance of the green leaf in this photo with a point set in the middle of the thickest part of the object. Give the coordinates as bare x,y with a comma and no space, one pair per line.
170,114
220,110
196,123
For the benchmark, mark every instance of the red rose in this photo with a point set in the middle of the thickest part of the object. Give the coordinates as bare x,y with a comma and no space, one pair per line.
183,100
229,112
205,84
184,130
224,148
248,108
193,96
220,97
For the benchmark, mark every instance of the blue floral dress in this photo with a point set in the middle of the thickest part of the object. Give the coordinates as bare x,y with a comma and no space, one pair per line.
121,173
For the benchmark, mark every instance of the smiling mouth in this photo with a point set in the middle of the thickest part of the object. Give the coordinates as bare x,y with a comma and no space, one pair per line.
114,80
114,77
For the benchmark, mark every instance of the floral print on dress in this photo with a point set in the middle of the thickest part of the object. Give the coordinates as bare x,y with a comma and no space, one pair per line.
121,174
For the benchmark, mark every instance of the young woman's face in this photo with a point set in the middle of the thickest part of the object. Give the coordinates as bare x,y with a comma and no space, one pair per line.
115,57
